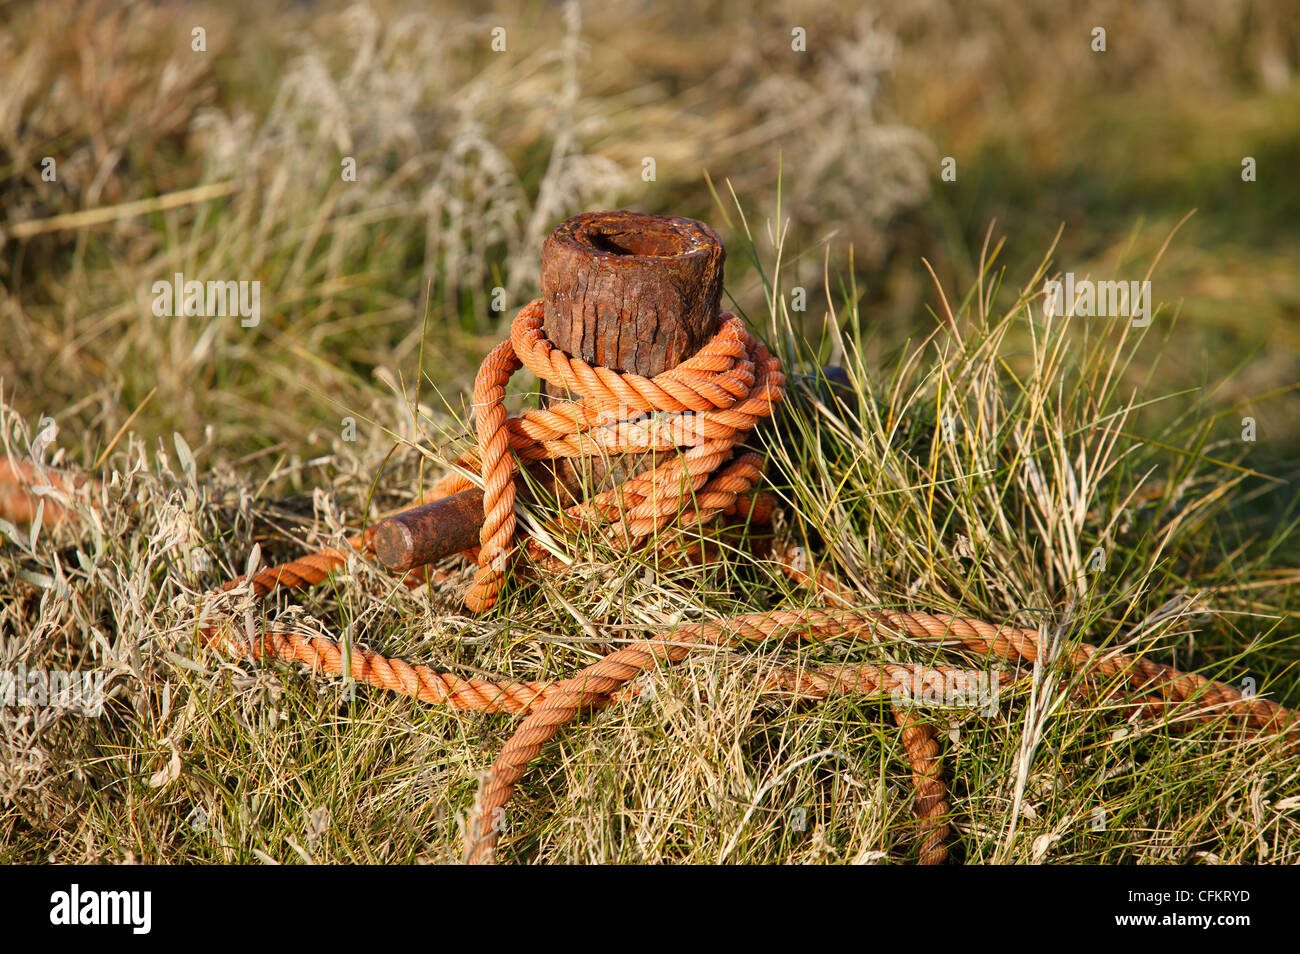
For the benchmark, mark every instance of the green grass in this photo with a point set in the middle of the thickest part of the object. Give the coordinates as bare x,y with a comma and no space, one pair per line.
997,522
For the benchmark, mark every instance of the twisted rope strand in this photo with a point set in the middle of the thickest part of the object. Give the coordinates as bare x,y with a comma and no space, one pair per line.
931,791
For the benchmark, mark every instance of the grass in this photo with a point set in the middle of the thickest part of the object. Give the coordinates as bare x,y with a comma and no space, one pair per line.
977,461
217,760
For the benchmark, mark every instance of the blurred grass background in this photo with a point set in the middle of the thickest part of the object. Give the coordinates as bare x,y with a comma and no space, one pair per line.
467,157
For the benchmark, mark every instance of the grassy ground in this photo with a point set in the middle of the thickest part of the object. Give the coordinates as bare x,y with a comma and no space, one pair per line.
986,461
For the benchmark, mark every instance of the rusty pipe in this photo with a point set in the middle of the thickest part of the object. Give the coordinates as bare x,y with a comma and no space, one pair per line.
431,531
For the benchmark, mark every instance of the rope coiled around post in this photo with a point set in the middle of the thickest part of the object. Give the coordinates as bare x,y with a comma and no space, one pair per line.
709,403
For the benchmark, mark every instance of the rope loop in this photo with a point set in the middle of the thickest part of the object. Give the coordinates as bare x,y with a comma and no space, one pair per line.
711,402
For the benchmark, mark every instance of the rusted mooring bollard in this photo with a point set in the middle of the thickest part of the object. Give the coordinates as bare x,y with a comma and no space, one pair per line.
623,290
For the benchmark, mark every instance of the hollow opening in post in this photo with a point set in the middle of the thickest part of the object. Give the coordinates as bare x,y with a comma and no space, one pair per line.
642,243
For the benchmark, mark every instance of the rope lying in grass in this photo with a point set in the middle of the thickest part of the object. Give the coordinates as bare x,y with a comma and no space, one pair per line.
19,503
554,704
918,738
709,403
931,792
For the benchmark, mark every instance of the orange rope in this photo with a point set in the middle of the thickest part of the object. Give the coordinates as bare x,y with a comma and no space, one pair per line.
18,498
704,408
712,400
931,792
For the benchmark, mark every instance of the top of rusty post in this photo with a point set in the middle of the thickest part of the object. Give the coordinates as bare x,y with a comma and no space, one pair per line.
631,291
